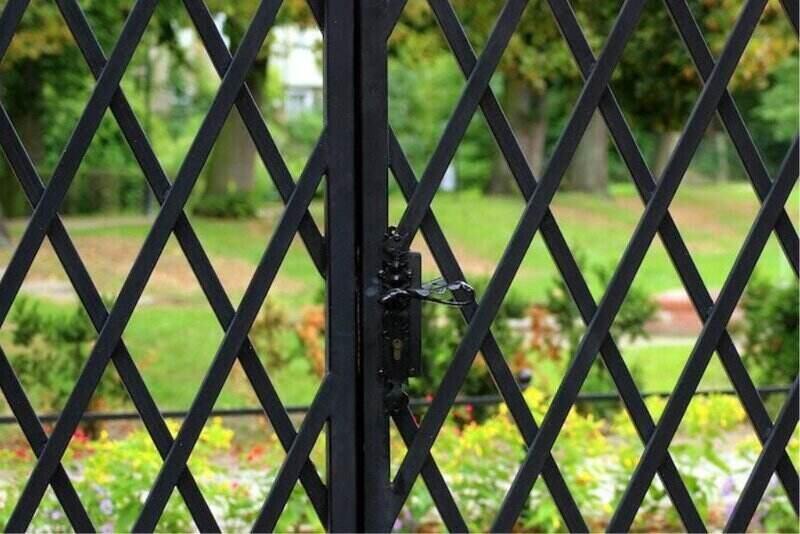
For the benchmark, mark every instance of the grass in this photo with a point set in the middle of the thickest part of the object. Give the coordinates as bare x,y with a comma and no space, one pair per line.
173,335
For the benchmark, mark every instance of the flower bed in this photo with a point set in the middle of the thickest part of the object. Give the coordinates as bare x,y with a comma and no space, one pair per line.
479,460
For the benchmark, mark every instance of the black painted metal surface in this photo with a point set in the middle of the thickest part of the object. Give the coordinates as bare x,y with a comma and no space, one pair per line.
355,154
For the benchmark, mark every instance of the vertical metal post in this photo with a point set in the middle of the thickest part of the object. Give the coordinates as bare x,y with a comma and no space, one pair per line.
340,222
374,211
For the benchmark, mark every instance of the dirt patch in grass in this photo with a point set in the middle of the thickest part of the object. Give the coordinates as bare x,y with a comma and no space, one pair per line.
471,264
109,259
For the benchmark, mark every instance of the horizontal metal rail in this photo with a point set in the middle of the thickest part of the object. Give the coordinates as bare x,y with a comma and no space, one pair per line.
478,400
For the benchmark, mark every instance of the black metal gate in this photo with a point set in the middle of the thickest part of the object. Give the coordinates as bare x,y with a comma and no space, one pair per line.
372,291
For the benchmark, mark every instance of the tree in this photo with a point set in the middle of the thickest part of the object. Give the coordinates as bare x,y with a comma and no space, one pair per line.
656,81
230,167
534,72
37,51
535,64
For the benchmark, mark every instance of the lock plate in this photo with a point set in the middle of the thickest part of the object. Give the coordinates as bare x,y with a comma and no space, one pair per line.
402,317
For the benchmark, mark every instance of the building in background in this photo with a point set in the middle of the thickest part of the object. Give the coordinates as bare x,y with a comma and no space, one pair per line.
297,58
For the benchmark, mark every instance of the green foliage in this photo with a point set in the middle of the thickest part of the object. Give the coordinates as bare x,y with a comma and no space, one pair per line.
656,80
479,461
413,79
778,105
444,327
771,330
629,325
49,351
113,476
229,205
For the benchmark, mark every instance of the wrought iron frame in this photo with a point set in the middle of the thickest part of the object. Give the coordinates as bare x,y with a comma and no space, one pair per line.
356,152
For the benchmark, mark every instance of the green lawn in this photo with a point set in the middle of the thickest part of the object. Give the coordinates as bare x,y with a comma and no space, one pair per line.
173,335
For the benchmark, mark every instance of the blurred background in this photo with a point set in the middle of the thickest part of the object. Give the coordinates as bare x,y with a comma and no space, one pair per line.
173,335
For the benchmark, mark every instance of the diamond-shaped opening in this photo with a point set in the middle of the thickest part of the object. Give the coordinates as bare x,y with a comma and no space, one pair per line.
170,84
46,87
173,334
765,324
765,82
586,454
657,326
537,84
299,514
656,85
418,119
286,83
474,430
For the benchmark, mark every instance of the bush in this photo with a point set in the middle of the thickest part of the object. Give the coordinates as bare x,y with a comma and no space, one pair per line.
479,461
629,324
49,351
443,328
229,205
771,331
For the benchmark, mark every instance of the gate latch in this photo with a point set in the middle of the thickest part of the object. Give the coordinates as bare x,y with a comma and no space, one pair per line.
402,297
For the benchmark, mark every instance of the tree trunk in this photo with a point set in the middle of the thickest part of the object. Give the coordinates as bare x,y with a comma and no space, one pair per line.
527,113
588,171
723,165
666,144
231,164
5,236
24,103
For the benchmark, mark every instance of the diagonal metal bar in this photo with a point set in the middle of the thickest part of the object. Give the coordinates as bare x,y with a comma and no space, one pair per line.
504,379
437,485
456,127
235,335
394,8
734,123
193,250
297,456
793,11
9,20
77,145
259,132
93,303
134,284
673,242
523,235
36,436
562,256
628,267
712,329
767,461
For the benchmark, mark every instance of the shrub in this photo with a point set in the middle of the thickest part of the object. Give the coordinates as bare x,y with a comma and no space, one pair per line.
229,205
479,461
443,328
771,330
629,324
49,351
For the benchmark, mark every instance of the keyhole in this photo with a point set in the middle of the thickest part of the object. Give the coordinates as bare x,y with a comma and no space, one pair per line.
397,349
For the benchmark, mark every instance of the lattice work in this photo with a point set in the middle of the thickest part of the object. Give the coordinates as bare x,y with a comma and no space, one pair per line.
419,438
656,195
45,202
